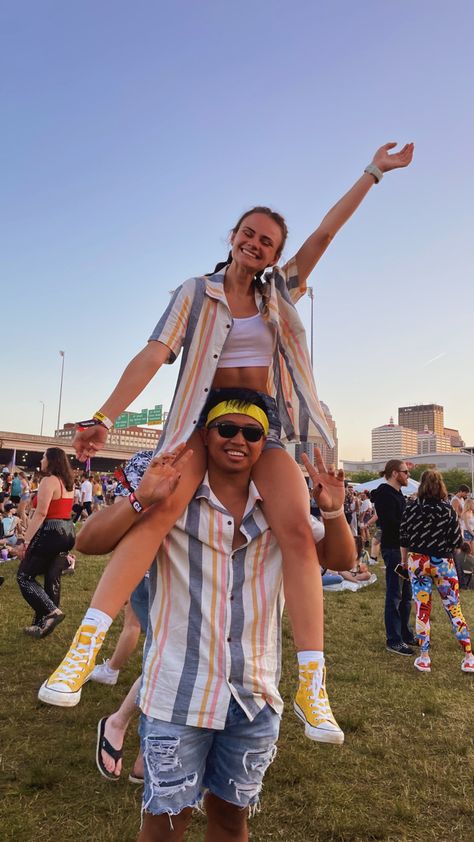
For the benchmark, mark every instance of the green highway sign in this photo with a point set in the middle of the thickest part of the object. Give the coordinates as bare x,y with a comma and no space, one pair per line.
146,416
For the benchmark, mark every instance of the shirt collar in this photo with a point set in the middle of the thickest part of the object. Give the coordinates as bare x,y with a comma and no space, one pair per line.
215,289
205,491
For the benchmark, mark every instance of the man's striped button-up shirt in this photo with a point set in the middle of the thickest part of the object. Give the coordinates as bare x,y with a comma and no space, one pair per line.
215,617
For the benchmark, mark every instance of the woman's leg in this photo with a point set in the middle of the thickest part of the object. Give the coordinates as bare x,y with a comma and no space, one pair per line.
447,584
127,566
33,565
52,577
116,727
422,586
286,508
127,642
133,556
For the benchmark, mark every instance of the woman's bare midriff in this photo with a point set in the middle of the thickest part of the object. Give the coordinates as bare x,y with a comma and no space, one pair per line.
255,377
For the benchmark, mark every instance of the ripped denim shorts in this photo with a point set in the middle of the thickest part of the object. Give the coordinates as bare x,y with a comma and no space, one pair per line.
183,762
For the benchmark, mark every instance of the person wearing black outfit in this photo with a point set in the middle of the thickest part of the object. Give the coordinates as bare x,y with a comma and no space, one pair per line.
389,505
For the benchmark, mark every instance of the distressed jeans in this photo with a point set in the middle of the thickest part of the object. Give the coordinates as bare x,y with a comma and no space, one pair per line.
182,762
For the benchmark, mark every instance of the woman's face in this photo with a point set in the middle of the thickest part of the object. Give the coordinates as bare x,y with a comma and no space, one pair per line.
257,242
44,463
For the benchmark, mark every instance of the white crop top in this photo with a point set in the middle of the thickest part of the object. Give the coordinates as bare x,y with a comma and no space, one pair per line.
250,342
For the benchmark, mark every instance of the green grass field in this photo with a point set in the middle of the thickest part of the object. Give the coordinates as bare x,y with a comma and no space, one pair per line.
404,774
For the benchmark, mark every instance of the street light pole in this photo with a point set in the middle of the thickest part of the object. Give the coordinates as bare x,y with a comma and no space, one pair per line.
471,451
311,295
42,418
61,387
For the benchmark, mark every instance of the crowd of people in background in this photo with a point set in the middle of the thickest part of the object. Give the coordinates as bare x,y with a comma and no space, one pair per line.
18,499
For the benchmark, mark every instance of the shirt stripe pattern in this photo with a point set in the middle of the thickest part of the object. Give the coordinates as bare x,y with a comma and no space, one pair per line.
215,617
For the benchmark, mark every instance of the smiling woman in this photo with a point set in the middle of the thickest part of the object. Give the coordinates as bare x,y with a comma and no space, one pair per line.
236,327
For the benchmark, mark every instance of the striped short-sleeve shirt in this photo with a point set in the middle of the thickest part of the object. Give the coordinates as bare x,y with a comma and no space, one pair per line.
214,629
198,320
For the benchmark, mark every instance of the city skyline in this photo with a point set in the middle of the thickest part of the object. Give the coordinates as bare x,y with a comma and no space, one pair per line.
128,167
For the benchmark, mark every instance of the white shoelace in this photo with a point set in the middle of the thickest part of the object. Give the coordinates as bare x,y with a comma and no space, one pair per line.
75,663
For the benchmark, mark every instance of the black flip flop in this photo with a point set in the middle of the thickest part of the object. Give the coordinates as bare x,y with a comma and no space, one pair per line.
104,745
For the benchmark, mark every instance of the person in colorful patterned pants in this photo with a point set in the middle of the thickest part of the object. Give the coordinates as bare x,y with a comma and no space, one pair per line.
426,572
429,533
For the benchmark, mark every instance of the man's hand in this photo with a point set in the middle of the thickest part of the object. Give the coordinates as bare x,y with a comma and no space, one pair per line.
88,441
162,475
328,485
386,162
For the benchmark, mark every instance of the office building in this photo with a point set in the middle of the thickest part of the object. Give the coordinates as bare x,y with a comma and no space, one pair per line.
429,442
422,416
392,441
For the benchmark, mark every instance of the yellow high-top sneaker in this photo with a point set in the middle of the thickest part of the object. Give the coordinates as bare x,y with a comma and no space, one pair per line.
312,706
63,687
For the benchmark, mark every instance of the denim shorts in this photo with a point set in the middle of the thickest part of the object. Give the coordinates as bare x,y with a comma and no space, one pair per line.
274,433
182,762
139,602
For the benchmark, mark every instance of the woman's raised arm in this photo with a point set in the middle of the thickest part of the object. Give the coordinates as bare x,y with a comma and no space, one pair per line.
136,376
316,244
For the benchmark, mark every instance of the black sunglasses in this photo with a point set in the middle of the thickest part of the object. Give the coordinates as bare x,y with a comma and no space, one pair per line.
228,430
404,472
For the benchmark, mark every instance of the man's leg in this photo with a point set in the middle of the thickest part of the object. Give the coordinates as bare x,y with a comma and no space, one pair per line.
225,822
236,765
164,828
391,558
116,727
174,764
405,611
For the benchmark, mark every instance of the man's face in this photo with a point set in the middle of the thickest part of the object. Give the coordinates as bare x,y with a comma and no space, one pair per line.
402,474
233,455
463,494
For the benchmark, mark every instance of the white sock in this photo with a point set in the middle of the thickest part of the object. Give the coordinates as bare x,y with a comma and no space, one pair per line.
96,617
310,655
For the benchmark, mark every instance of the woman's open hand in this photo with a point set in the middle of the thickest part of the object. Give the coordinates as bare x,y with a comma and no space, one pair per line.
386,162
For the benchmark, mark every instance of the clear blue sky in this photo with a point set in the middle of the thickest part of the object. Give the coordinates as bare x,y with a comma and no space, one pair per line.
133,136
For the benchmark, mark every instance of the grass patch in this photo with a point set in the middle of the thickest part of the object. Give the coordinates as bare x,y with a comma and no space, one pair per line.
404,773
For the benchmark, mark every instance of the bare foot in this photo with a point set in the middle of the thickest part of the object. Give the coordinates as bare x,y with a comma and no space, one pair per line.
114,732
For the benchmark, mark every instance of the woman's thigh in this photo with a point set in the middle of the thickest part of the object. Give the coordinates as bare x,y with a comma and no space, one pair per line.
283,488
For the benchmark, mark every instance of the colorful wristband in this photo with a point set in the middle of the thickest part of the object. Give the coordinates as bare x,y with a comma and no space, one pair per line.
102,419
332,515
135,504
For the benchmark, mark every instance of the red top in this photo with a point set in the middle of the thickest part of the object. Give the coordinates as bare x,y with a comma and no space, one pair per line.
59,509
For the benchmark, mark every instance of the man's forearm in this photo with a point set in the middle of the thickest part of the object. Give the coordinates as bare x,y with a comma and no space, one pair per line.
337,549
104,530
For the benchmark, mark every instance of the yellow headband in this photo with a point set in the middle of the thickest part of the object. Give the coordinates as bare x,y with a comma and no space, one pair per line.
233,408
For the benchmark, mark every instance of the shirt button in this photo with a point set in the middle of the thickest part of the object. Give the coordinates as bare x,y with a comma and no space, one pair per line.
229,640
194,422
231,597
215,356
228,327
229,523
206,389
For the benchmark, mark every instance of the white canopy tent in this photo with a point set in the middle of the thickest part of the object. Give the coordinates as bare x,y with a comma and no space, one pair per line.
411,488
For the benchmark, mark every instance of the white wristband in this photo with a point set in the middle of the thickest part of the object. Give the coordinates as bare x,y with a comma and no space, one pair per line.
331,515
377,173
